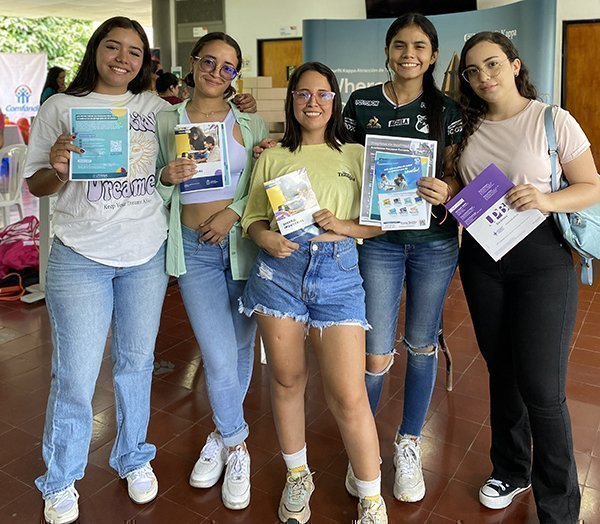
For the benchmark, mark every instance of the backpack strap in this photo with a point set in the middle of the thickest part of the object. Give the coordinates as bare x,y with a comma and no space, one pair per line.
552,149
587,270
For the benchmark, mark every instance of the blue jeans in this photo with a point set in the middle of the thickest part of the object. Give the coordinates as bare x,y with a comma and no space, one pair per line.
84,300
226,337
427,270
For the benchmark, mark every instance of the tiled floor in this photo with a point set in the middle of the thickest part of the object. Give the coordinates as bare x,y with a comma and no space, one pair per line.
455,442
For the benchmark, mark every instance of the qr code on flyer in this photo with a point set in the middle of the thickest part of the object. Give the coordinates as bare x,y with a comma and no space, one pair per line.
116,146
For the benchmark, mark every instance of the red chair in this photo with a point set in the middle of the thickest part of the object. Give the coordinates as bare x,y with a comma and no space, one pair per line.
24,126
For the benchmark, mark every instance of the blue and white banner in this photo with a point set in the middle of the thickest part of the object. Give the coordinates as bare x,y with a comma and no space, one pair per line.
21,83
354,49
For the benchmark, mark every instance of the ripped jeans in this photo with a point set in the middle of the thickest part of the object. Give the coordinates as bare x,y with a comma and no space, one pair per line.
427,270
318,285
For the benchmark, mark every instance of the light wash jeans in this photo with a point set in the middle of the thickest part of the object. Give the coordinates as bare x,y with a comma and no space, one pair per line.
226,337
84,300
427,270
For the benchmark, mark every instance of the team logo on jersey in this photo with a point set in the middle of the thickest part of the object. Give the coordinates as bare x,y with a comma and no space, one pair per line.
347,175
422,125
455,127
350,124
373,123
399,122
368,103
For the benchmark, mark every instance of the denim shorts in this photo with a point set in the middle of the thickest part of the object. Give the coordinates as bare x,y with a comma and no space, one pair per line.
319,285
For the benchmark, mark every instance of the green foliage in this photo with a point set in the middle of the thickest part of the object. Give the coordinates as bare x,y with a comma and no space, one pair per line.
62,39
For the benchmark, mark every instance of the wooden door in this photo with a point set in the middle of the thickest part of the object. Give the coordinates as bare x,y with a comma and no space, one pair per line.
581,77
277,58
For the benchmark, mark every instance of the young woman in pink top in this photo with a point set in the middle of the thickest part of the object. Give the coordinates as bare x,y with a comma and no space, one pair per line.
523,306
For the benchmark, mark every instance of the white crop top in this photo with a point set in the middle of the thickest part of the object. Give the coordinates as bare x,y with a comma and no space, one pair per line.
236,153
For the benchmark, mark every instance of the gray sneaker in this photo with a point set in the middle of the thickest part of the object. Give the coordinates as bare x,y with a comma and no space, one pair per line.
294,508
371,512
236,484
409,485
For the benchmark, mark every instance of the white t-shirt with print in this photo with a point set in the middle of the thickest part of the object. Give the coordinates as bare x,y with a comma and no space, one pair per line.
118,223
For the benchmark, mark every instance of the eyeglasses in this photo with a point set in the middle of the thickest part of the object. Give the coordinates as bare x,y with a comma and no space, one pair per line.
208,65
322,97
491,69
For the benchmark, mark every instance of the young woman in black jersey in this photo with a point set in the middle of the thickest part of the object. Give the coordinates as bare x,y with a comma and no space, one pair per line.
408,105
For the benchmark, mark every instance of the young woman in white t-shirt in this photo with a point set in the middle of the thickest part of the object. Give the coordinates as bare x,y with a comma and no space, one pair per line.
106,270
523,306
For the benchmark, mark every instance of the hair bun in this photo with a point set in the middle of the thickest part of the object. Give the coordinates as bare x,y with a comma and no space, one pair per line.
189,79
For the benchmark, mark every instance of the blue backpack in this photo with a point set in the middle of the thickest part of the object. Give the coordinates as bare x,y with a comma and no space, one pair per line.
581,229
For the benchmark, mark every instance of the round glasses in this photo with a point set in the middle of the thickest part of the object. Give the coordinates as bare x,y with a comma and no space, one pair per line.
208,65
303,96
491,68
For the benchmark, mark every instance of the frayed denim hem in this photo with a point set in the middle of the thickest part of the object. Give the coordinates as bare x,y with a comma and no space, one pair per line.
259,308
418,351
386,369
324,324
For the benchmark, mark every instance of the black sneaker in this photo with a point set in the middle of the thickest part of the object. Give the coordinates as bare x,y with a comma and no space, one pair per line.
495,494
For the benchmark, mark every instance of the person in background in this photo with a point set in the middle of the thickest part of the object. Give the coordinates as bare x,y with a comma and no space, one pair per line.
106,270
156,72
206,251
55,83
524,306
421,261
167,87
313,287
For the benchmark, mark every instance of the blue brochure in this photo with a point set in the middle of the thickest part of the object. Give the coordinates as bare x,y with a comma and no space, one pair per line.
103,134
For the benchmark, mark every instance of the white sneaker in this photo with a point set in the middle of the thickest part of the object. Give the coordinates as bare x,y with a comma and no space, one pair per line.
142,484
409,485
211,463
62,507
236,484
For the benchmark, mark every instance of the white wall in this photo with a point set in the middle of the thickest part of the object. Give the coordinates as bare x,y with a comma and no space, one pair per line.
248,20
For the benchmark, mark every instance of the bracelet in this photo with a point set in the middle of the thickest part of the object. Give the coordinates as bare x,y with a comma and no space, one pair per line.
58,176
448,196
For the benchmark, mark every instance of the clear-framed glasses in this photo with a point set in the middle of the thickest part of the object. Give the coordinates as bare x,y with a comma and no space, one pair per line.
491,68
208,65
303,96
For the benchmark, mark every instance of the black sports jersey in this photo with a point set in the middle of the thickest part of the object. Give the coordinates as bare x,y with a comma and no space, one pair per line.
370,112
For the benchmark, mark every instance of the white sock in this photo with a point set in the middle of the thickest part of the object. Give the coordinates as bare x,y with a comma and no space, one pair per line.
369,488
295,460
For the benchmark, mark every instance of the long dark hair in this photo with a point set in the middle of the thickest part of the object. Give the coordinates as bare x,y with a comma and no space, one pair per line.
474,108
432,96
87,76
211,37
336,133
52,77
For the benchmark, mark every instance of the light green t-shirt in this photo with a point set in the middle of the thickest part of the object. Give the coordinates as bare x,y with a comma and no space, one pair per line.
335,177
